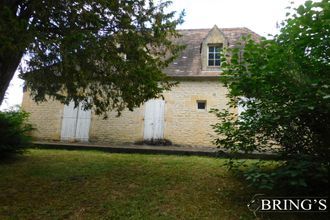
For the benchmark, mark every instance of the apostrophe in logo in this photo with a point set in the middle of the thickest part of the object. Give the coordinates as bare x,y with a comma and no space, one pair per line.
255,203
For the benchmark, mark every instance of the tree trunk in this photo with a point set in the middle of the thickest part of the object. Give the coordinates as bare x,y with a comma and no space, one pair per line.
16,37
7,71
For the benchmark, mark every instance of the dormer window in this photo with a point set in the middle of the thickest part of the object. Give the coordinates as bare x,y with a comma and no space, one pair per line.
212,46
214,55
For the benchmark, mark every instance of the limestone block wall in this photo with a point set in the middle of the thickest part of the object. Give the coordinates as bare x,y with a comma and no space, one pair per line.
185,124
46,117
127,128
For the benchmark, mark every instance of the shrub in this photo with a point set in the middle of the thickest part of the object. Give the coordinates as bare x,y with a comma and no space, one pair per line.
14,132
284,86
291,176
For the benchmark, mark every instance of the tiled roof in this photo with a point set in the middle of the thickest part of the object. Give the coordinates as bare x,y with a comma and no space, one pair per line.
188,62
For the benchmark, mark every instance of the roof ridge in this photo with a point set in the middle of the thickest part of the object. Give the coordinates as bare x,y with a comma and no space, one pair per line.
194,29
244,29
232,28
204,29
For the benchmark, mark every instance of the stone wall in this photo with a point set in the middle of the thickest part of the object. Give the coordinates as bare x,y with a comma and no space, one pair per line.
127,128
46,117
184,123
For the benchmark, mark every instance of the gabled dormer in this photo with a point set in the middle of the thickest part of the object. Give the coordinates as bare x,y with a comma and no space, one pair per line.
211,49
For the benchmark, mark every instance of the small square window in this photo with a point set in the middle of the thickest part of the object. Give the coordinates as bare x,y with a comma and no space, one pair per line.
201,104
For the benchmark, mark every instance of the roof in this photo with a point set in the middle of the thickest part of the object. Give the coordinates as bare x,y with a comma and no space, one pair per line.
188,63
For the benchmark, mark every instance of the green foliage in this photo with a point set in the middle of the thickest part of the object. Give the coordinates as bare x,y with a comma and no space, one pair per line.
108,54
287,84
293,176
14,132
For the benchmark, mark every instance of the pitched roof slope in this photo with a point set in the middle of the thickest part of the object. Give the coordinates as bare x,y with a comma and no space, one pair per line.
188,62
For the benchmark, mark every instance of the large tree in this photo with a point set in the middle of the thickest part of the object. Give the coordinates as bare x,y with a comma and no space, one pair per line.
286,82
107,53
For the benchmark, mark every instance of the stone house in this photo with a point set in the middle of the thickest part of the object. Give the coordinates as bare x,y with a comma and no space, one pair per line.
182,117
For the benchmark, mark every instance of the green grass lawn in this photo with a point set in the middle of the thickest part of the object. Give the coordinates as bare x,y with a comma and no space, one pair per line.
59,184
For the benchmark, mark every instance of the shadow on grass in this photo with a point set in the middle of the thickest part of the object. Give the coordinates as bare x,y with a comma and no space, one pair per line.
12,158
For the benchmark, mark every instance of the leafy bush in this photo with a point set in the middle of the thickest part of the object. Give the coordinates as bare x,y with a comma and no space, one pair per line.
291,176
14,132
286,85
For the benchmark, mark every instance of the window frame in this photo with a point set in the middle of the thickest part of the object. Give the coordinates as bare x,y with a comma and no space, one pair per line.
214,53
201,102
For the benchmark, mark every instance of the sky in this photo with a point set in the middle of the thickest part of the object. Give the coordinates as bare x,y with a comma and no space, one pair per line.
260,16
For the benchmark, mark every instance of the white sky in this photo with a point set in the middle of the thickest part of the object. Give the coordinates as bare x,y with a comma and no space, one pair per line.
260,16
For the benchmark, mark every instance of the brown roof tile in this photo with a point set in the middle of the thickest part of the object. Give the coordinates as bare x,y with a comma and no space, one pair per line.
188,63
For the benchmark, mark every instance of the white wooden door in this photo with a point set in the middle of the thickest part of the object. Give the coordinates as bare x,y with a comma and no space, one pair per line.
154,119
83,123
75,123
69,121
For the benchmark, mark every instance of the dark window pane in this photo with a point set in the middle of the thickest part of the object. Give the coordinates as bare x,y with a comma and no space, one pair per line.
217,49
211,49
217,56
201,105
211,55
217,63
211,62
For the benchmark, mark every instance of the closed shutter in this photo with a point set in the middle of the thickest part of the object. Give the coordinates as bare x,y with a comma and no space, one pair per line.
75,123
69,121
154,119
83,124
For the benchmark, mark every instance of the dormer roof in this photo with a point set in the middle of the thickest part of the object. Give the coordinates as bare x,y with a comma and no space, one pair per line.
189,62
215,32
